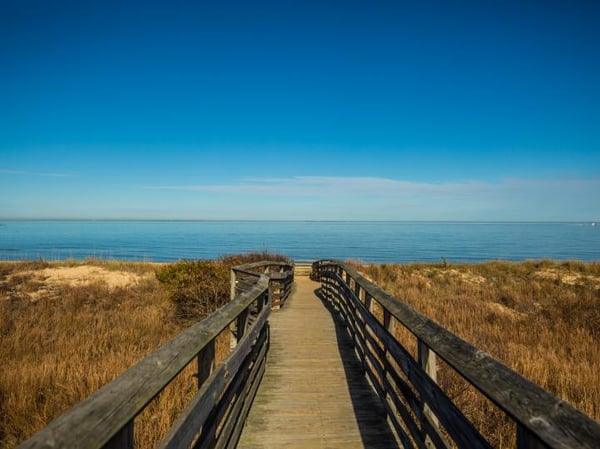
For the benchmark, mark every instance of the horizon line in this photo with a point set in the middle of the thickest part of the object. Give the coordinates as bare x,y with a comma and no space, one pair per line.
299,220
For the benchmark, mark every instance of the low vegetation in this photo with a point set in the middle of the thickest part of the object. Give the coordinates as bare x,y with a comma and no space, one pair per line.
68,328
541,318
199,287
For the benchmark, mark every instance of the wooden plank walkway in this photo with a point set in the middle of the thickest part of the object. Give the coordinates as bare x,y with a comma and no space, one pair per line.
314,393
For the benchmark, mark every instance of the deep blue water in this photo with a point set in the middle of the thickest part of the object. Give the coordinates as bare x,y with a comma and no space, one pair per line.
303,241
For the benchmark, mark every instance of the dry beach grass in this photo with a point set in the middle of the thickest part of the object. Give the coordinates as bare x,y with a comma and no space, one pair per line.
540,318
68,328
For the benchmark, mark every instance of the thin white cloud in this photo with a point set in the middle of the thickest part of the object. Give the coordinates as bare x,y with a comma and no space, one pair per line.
329,185
385,198
4,171
570,183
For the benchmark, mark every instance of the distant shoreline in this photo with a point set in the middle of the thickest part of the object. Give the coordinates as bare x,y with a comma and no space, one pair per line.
3,221
298,263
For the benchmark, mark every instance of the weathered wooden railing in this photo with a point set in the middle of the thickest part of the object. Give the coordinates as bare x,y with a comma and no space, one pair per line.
421,412
281,277
215,416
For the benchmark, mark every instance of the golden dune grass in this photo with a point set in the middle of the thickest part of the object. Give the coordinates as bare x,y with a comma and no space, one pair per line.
60,341
540,318
63,340
68,328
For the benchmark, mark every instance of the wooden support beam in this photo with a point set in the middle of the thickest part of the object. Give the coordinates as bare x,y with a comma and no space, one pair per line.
206,362
428,363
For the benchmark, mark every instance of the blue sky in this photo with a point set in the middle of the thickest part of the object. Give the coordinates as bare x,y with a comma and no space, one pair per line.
379,110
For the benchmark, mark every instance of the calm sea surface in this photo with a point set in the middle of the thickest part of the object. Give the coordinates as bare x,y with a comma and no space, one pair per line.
303,241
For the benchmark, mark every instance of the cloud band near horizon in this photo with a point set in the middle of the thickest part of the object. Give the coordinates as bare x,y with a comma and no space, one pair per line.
330,185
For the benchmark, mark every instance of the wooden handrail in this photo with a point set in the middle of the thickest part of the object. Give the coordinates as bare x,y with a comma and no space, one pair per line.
106,418
408,387
264,265
280,281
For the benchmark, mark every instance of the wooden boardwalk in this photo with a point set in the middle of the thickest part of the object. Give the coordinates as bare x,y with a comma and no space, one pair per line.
314,393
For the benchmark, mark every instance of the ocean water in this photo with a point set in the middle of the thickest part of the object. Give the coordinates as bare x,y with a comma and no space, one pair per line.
302,241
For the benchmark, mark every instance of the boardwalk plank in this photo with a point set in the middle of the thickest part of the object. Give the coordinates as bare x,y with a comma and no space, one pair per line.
314,393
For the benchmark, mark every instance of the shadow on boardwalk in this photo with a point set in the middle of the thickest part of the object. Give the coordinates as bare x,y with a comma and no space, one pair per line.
370,413
314,393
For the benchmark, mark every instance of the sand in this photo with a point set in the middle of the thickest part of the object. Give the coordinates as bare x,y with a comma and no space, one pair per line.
85,275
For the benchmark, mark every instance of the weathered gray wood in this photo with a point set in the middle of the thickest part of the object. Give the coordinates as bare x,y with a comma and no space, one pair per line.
388,322
236,433
457,425
400,431
193,417
526,440
459,428
428,364
235,422
123,439
281,277
379,390
228,402
232,280
373,345
400,401
385,391
109,409
397,384
251,267
280,288
434,433
556,423
242,322
243,285
107,415
399,408
313,394
206,362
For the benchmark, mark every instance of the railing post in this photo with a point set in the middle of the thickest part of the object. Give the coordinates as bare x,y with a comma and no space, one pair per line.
526,440
232,279
242,322
123,439
368,301
261,302
389,325
365,331
206,362
232,293
275,298
427,361
357,290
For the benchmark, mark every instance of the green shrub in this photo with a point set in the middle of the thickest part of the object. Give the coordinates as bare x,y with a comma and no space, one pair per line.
198,288
239,259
